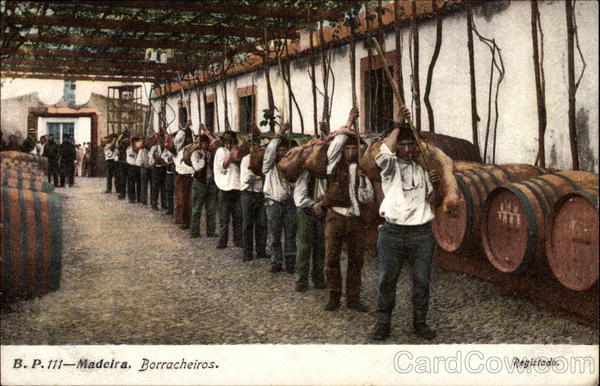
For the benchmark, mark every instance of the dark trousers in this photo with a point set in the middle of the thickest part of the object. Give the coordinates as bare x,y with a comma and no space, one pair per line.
397,244
110,174
230,211
183,199
67,174
310,242
122,178
350,230
170,189
204,195
145,183
53,175
158,187
254,232
133,183
281,217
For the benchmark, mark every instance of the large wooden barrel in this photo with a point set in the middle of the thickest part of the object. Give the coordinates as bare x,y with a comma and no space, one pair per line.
514,216
456,148
461,232
32,244
23,167
19,179
40,161
572,239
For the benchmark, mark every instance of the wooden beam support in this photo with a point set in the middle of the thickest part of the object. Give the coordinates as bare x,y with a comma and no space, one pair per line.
16,75
79,54
89,71
135,43
145,27
150,66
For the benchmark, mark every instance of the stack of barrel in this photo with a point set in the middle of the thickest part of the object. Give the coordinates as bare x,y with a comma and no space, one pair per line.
31,228
526,228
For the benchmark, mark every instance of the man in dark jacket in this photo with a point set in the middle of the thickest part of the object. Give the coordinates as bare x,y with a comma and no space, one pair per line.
52,152
68,155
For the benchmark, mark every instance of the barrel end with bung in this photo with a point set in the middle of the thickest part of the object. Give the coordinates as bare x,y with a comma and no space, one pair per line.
572,240
450,231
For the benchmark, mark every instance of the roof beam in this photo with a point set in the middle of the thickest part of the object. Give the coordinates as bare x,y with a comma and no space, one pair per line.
79,54
135,43
150,66
145,27
16,75
229,8
88,71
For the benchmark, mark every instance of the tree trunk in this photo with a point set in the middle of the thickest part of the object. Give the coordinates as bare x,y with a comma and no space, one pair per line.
416,82
436,53
474,115
572,88
398,35
539,89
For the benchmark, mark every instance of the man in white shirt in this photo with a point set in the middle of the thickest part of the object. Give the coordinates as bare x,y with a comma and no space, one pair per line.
183,178
254,226
133,175
122,166
143,162
406,235
204,189
111,157
158,169
227,178
281,211
344,225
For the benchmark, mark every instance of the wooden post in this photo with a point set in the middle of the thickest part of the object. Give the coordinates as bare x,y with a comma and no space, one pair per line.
313,80
474,115
270,101
572,86
325,72
416,82
398,36
539,86
434,57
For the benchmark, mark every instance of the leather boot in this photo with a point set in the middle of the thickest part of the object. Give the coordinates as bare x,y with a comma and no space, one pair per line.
420,327
382,327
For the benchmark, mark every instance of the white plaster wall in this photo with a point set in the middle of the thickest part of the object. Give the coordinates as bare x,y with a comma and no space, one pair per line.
450,97
82,133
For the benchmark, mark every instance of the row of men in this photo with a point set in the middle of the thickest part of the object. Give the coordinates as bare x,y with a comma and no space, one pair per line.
315,217
83,154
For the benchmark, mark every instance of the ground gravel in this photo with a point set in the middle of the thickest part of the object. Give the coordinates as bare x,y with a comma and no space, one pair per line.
130,276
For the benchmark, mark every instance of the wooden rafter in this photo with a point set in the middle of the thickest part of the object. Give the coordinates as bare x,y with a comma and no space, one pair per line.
142,26
17,75
93,63
86,71
79,54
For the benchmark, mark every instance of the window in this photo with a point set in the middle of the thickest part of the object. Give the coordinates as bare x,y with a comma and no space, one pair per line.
69,92
246,114
379,101
209,116
60,129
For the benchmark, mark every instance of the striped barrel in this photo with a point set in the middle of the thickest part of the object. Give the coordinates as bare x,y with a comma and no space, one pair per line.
32,244
40,161
513,220
461,232
24,165
19,179
572,239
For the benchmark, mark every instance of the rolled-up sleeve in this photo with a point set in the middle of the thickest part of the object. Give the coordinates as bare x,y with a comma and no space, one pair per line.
198,162
385,159
335,150
246,175
270,155
366,194
301,193
219,159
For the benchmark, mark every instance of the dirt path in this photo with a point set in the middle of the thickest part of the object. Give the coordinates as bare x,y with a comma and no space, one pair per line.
131,276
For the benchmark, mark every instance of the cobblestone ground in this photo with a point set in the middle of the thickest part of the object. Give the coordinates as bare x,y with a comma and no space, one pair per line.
130,276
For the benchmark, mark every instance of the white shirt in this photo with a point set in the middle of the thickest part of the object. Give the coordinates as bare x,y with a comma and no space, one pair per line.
110,152
198,162
153,154
274,187
249,181
365,193
405,186
142,159
226,179
131,155
304,198
167,156
179,139
180,166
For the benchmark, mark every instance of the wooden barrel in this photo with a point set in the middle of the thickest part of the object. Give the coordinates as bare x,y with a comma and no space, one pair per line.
19,179
572,239
24,168
40,161
461,232
31,244
514,216
456,148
